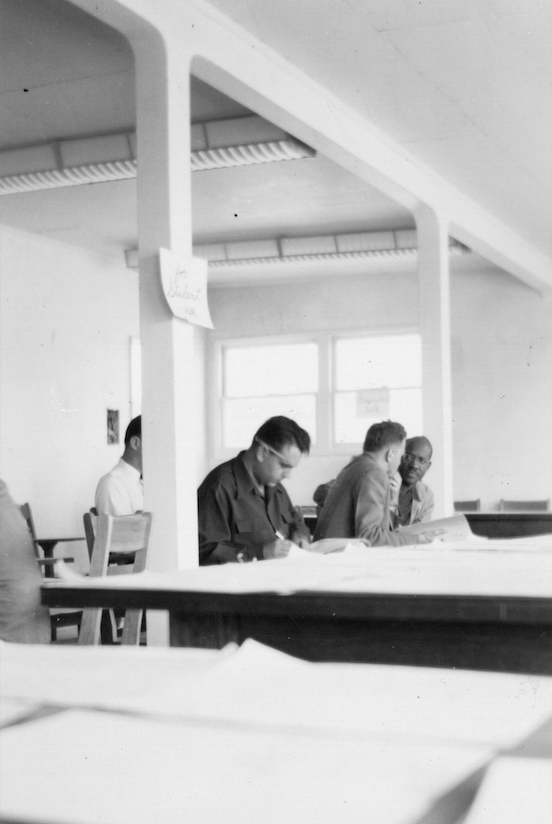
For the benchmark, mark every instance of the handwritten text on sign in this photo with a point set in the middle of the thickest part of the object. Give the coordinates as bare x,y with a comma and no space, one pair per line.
184,282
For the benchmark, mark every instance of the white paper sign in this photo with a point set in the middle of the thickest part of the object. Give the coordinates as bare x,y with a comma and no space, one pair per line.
184,282
373,403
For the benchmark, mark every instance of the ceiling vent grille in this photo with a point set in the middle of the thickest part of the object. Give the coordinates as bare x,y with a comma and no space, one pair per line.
222,144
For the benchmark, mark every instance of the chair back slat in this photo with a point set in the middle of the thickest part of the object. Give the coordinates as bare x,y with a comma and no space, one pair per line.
27,513
128,534
89,520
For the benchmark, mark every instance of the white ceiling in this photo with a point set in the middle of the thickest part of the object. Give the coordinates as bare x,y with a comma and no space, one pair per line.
464,85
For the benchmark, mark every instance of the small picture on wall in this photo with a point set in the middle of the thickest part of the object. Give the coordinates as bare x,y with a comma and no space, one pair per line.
112,426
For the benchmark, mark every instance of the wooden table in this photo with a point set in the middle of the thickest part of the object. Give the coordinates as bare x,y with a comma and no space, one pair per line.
509,524
502,632
47,546
493,524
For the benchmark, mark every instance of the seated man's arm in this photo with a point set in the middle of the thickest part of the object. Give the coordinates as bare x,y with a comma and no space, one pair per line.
299,533
370,508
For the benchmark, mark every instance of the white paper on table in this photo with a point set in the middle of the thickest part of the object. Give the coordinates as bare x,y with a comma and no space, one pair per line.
400,570
95,675
259,685
514,790
455,528
14,709
131,770
492,708
334,549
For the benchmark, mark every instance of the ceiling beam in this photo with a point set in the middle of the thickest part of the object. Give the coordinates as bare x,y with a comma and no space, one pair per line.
241,66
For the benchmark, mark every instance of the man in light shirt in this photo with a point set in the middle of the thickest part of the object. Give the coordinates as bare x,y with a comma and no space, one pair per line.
414,499
120,492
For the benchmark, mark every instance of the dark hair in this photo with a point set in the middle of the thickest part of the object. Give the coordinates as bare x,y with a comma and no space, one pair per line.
421,438
134,429
383,434
280,431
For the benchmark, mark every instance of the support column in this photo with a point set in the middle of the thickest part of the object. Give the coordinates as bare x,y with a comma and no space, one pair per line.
169,382
434,322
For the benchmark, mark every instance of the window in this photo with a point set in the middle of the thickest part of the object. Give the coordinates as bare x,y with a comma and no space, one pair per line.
376,378
335,387
265,380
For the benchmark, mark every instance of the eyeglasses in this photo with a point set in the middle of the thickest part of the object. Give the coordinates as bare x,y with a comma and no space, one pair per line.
409,458
279,455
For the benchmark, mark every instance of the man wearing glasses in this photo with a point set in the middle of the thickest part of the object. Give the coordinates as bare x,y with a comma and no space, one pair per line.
415,500
244,512
359,502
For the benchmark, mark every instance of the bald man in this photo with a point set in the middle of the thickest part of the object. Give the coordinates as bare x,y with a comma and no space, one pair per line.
415,502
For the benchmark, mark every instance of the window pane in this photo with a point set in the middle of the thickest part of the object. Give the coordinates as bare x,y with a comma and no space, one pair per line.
406,407
391,360
242,417
270,370
355,412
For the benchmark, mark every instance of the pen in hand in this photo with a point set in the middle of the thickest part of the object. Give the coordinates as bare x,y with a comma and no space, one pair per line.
282,538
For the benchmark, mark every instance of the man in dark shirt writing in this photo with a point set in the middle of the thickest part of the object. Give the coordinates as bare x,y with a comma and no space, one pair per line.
244,512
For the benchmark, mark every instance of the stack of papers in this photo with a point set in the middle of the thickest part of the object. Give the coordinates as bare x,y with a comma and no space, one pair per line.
251,733
437,569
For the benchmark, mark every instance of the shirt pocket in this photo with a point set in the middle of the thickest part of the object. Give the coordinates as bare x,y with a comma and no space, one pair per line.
253,531
289,518
245,525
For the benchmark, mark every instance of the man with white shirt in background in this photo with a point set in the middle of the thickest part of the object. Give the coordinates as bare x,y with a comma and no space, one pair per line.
120,492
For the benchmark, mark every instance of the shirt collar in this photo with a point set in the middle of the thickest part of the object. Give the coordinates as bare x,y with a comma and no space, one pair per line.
126,467
244,482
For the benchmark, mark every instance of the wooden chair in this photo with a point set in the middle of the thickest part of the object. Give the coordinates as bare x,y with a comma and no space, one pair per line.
524,506
468,506
111,619
59,617
90,520
122,535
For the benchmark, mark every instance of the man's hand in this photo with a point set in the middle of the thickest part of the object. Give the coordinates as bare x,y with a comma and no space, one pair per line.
276,549
301,540
428,537
395,487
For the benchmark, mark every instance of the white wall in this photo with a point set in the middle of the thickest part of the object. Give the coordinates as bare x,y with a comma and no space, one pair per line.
502,367
66,322
502,389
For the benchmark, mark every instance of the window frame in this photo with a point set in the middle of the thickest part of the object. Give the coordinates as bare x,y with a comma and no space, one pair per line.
324,398
334,337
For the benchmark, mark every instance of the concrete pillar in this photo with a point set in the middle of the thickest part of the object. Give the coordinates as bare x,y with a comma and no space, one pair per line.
169,390
434,323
